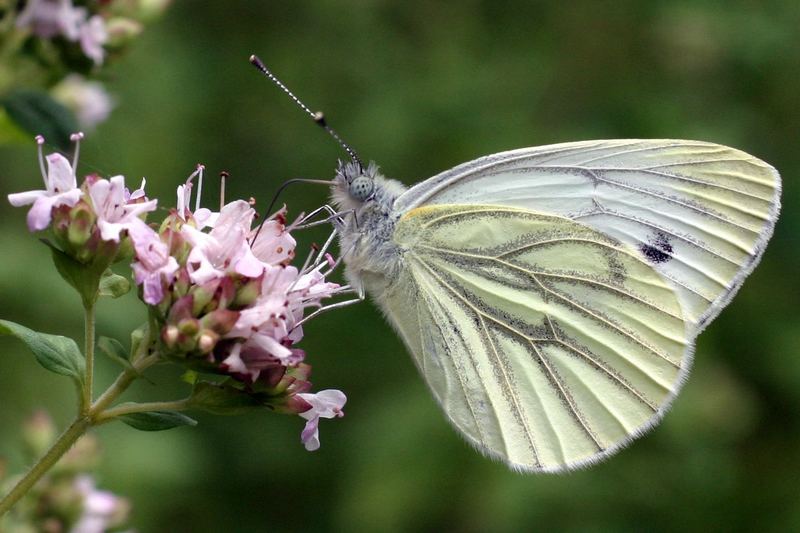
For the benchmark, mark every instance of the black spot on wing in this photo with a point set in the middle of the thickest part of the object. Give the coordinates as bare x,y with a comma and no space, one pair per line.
659,249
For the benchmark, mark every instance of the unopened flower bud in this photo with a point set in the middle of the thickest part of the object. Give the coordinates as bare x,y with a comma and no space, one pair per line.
290,405
149,9
248,293
180,284
189,326
207,341
170,335
121,30
182,308
81,219
203,294
221,321
125,251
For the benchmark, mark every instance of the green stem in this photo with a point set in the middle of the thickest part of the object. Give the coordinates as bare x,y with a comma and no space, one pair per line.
122,383
89,417
59,448
129,408
89,324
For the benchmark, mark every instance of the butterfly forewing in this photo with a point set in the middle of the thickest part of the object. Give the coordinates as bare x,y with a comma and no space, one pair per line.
547,343
698,212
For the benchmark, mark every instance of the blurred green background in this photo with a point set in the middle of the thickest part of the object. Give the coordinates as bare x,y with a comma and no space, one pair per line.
419,87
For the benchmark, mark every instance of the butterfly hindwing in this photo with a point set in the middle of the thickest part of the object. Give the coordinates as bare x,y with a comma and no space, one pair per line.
547,343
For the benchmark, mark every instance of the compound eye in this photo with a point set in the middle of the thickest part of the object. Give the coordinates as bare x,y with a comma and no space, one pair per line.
361,188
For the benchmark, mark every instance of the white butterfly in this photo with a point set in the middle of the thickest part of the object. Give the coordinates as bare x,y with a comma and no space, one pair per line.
551,296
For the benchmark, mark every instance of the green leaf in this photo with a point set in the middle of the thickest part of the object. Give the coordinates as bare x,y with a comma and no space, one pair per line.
36,112
114,285
56,353
83,278
114,350
156,420
223,399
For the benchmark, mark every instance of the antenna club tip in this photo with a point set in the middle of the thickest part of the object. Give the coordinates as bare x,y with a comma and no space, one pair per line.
254,59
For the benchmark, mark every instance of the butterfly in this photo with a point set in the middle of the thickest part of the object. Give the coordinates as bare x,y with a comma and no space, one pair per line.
551,296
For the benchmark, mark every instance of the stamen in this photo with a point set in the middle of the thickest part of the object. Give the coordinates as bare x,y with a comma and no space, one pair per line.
200,169
76,138
39,143
314,249
222,177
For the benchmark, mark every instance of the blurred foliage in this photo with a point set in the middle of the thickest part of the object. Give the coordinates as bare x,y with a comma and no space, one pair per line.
421,86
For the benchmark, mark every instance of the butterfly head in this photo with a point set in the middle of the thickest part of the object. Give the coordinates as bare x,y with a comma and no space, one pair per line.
353,184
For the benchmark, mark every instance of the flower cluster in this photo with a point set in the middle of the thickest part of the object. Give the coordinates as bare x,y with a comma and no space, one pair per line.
222,295
59,18
52,49
67,499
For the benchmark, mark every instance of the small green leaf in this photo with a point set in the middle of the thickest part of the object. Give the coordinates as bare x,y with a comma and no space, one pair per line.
36,112
83,278
56,353
114,285
115,351
137,337
222,399
156,420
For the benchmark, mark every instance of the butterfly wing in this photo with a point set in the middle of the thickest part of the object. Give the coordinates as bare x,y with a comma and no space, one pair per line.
547,343
699,212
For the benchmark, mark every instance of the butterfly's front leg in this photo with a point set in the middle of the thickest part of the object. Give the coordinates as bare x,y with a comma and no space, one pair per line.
344,289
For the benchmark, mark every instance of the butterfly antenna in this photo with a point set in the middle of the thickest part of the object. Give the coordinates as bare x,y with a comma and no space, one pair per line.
318,117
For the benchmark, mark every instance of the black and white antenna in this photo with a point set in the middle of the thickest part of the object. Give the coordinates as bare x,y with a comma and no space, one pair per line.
318,117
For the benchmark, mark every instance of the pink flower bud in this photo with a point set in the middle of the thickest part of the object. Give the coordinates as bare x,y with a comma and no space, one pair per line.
170,335
220,321
189,326
207,341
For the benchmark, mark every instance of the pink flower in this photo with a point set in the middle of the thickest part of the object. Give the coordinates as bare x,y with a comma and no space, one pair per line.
87,99
324,404
116,208
309,291
270,327
225,248
102,510
93,36
61,189
154,266
272,244
50,18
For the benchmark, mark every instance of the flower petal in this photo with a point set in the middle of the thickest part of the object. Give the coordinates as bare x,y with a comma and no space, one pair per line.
60,176
25,198
310,435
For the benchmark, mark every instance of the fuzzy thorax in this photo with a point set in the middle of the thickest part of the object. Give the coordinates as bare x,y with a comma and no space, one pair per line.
370,254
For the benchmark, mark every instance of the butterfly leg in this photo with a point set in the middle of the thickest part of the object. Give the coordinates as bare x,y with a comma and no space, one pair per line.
345,289
333,216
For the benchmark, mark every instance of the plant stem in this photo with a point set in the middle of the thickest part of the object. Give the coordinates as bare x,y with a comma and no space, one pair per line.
89,323
121,384
59,448
126,409
90,416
